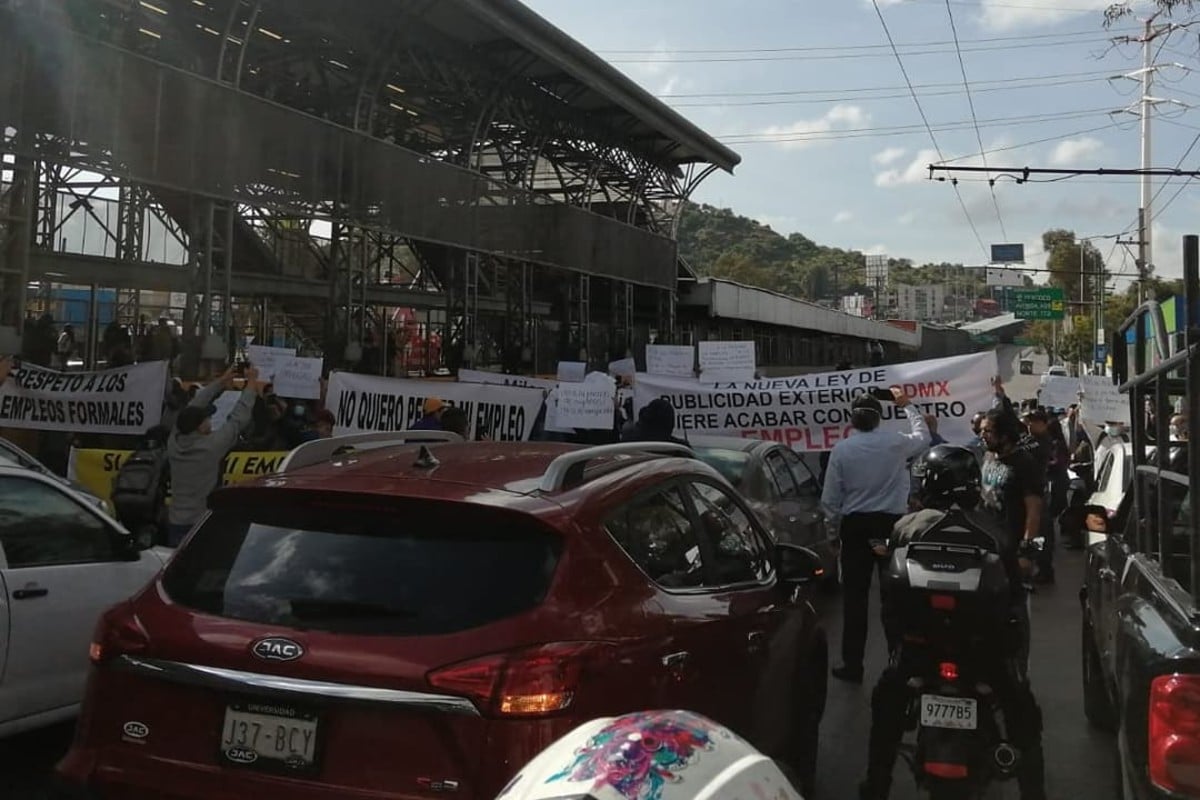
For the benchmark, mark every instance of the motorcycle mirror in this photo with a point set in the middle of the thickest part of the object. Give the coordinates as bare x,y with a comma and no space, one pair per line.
1095,519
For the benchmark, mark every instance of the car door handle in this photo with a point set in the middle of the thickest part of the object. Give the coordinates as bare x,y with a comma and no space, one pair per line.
30,592
676,661
757,641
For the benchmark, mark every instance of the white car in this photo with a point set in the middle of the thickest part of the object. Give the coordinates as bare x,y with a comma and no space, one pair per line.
1057,371
1114,473
63,562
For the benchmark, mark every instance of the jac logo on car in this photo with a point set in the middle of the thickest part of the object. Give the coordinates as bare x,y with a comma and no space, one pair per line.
276,648
241,755
136,730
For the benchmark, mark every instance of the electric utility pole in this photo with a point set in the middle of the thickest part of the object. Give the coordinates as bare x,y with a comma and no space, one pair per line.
1145,106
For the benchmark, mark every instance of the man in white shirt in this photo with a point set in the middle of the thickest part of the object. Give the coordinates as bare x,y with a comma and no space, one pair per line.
866,492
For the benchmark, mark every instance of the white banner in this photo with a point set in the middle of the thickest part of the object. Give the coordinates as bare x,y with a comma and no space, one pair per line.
587,406
363,403
812,412
127,400
500,379
677,360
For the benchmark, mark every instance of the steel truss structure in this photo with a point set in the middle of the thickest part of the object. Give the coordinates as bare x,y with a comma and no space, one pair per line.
316,164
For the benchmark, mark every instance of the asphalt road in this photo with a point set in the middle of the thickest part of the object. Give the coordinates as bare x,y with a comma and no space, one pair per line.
1079,760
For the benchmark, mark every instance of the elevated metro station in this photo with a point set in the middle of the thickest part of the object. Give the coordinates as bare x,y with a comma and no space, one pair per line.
435,182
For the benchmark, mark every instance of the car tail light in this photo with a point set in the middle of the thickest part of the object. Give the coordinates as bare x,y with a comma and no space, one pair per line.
1174,744
941,769
117,633
948,670
536,681
943,602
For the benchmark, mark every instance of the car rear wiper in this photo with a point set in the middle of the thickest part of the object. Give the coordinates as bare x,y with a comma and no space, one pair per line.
310,609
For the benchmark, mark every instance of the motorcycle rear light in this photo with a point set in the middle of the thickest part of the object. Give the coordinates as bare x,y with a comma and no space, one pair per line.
948,670
532,682
1174,743
118,633
943,602
941,769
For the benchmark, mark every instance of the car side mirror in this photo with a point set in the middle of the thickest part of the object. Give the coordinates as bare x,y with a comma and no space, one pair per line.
798,566
127,546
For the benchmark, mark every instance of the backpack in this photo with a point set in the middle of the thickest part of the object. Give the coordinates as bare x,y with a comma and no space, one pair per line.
140,485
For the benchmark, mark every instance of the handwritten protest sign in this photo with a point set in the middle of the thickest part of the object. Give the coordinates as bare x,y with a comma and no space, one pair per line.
1102,402
727,361
267,359
671,359
299,378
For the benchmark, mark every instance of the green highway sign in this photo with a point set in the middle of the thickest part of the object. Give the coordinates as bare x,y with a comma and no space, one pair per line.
1042,303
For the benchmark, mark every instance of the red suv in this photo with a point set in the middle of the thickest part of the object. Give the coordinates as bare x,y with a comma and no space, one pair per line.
420,621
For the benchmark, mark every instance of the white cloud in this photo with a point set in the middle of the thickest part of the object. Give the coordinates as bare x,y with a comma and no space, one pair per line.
889,156
907,218
875,250
1007,15
916,172
1072,152
795,136
843,217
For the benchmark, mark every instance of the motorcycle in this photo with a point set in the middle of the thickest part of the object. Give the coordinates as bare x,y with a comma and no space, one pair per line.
958,642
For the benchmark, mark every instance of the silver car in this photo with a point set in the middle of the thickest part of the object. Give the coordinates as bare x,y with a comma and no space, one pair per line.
783,487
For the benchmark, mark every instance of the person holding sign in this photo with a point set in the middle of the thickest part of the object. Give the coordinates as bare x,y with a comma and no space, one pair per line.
866,493
195,451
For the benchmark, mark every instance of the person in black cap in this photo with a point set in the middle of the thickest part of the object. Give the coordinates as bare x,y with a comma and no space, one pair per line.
196,452
656,423
866,492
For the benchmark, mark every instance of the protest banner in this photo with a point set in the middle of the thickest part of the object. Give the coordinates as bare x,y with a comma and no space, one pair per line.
299,378
363,403
1102,402
812,412
95,469
500,379
671,359
126,400
727,361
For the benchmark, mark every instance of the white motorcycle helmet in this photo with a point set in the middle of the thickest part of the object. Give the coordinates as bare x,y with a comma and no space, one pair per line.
650,755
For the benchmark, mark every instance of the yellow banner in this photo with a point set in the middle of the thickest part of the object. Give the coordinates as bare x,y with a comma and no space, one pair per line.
95,469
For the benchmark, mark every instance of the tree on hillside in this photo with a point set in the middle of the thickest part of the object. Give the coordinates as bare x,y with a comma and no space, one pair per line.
1072,266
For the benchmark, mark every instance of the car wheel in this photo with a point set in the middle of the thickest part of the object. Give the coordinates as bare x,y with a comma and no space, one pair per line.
1097,706
811,685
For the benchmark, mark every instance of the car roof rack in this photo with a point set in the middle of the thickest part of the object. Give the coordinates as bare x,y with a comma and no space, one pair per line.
568,468
322,450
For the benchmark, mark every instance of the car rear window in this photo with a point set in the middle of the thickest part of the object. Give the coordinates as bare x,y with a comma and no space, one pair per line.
730,463
370,573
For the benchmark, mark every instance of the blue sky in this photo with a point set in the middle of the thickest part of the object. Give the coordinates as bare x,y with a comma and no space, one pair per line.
802,90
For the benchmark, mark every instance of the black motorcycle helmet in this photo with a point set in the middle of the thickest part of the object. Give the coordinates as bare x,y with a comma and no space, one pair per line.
947,475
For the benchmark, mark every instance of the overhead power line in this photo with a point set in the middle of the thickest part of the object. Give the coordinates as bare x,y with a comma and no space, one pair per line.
850,133
1105,74
842,56
975,120
921,110
1089,34
1010,87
